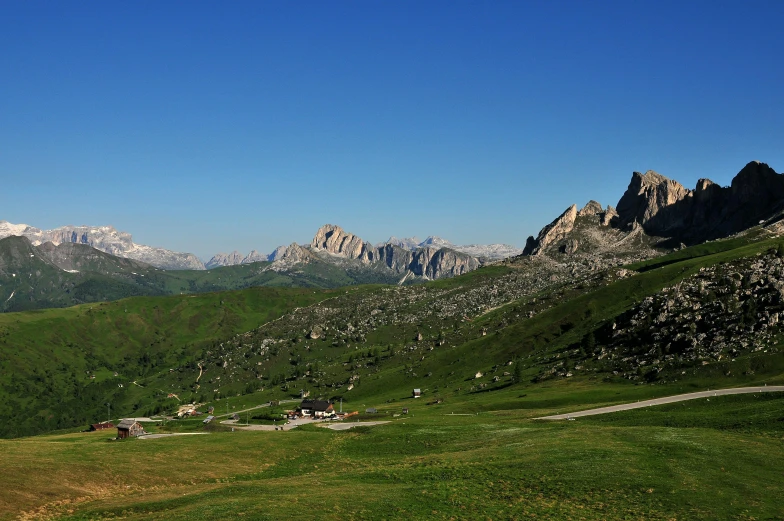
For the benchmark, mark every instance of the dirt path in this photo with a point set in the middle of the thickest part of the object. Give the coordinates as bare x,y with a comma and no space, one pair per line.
666,399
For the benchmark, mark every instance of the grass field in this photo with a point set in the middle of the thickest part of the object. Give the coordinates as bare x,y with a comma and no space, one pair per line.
488,461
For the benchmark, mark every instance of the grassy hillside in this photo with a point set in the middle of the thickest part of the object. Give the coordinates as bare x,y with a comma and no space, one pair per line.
481,462
517,323
492,351
60,366
71,274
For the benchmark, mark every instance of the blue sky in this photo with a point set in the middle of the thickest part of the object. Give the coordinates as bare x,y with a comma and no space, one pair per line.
209,126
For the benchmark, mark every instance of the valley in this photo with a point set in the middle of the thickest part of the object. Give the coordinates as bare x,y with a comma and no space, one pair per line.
592,315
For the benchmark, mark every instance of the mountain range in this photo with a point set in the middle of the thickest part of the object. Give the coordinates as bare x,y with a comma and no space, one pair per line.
75,264
74,272
487,252
109,240
106,239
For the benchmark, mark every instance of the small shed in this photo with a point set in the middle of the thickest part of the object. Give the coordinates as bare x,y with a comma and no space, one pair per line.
128,428
101,426
417,393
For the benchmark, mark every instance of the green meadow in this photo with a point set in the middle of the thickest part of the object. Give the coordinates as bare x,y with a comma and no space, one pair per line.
473,459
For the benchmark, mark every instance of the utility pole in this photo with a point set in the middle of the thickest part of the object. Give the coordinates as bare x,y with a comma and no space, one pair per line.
341,405
108,412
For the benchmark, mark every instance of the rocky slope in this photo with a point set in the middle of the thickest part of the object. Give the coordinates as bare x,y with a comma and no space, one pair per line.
106,239
589,235
720,313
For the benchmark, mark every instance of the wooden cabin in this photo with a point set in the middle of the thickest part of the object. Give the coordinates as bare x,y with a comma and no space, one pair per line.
129,428
101,426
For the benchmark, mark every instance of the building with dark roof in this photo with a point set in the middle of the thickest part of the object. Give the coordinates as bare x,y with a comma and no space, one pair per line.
316,408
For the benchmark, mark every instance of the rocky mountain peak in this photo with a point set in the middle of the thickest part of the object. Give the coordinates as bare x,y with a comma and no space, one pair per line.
407,243
277,253
335,240
224,259
553,232
646,198
591,208
665,208
438,242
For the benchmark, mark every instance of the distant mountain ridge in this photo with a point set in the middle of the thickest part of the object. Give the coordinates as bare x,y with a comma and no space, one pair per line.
106,239
486,251
427,262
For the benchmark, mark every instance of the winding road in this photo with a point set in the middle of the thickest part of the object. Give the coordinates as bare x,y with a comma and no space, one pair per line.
666,399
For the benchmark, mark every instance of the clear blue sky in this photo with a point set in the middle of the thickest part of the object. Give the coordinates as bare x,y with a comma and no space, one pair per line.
214,126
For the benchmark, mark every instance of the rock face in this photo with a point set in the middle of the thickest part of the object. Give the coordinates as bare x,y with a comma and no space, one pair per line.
427,262
333,239
438,263
407,243
235,257
224,259
482,251
592,208
275,255
655,208
652,198
108,240
665,208
553,232
609,216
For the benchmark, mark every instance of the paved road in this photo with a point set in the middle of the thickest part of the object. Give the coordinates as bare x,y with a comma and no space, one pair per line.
666,399
344,426
156,436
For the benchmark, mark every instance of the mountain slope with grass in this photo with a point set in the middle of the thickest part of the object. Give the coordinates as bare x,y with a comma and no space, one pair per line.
527,321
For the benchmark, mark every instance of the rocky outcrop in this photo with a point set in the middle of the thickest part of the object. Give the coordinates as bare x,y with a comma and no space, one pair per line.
665,208
293,254
656,212
106,239
407,243
428,262
609,216
654,200
333,239
254,256
553,232
234,258
442,262
277,253
224,259
592,208
483,251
